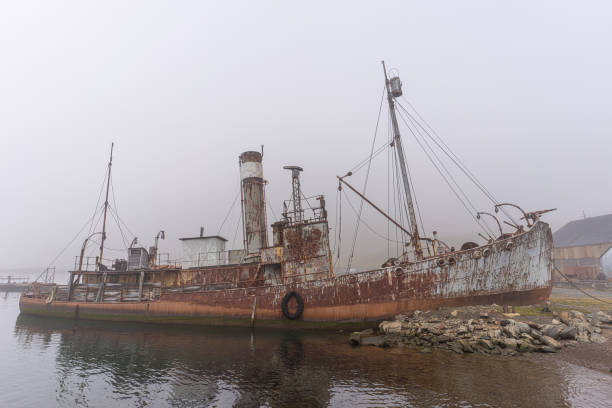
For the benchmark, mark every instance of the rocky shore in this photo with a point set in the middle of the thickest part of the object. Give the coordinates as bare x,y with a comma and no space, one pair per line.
486,330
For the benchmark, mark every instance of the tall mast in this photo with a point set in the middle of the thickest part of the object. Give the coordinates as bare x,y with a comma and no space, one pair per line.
402,161
110,163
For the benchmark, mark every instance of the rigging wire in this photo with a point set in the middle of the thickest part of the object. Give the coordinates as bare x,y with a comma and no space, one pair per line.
91,227
444,177
364,223
115,210
365,184
452,178
456,160
66,247
229,212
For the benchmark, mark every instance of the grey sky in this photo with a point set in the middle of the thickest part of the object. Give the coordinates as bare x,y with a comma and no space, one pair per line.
519,90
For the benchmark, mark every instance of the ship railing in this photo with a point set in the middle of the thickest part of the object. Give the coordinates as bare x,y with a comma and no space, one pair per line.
89,263
312,210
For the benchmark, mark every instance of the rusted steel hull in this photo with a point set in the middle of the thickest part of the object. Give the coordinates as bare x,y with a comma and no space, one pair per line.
514,271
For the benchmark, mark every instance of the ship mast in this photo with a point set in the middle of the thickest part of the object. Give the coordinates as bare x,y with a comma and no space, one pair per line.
397,140
110,163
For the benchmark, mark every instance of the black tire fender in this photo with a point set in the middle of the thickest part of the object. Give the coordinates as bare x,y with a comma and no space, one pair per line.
285,303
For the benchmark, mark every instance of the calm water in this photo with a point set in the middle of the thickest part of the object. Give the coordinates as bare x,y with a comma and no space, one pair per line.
48,363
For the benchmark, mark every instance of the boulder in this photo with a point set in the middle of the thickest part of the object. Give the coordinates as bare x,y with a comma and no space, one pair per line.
547,349
535,333
549,341
569,333
485,344
552,330
603,317
355,338
378,341
597,338
466,346
393,327
525,347
523,327
509,343
456,347
512,330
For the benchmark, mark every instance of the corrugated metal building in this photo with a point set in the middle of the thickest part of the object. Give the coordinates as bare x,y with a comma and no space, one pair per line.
583,248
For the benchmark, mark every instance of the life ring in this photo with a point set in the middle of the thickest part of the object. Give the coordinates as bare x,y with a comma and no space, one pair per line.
285,303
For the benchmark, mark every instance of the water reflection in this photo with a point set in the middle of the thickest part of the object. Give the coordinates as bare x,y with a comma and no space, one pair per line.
140,365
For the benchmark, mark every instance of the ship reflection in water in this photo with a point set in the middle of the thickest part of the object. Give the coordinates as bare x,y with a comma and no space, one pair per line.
97,364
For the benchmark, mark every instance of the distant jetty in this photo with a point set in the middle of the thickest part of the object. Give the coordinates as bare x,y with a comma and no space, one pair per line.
13,284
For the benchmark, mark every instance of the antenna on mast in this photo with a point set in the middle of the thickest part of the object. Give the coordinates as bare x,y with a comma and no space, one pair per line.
394,90
110,164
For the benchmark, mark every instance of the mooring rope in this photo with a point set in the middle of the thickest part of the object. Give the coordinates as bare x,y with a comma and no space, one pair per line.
586,293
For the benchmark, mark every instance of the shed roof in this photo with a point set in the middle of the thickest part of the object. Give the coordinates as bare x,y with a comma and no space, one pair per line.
588,231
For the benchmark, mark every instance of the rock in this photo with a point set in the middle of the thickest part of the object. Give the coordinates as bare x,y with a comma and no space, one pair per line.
525,347
484,315
603,317
465,346
549,341
367,332
552,330
455,313
534,325
574,314
457,348
506,322
512,330
355,338
462,330
425,350
378,341
523,327
546,307
527,337
535,333
547,349
494,333
443,339
597,338
555,321
511,315
564,317
509,343
394,327
569,333
582,337
486,344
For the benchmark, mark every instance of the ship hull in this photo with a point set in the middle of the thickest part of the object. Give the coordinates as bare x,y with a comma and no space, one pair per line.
513,271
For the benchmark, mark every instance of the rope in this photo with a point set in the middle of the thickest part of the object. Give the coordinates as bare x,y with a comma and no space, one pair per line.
576,287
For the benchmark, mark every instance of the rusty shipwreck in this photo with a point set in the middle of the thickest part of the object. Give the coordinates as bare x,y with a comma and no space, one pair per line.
293,281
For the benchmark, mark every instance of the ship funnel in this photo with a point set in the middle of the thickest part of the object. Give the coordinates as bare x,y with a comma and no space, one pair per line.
253,202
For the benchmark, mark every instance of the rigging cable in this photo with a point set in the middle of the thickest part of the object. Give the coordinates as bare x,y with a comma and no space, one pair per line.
66,247
444,177
116,211
364,223
365,184
456,160
91,227
229,212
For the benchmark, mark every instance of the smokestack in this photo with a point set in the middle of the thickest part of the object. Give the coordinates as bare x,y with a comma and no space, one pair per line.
253,202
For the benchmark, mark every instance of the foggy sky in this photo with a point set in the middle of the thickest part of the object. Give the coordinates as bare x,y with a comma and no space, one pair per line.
519,90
